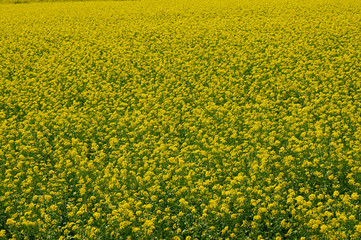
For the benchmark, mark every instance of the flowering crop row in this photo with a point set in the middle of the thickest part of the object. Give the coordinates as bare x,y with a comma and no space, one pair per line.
219,119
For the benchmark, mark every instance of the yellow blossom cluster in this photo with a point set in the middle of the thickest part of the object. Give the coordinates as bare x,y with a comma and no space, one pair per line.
211,119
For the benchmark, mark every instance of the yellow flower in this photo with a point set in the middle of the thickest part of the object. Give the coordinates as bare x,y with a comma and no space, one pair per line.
335,194
82,191
96,215
315,226
323,228
299,199
225,229
47,198
284,223
311,197
262,210
10,221
354,196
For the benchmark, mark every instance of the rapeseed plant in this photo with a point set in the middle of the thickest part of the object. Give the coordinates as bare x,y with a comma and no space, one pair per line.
190,120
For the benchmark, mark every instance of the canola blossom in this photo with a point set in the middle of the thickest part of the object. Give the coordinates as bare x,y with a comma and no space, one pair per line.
214,119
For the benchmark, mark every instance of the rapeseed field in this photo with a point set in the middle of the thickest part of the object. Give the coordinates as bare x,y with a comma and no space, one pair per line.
211,119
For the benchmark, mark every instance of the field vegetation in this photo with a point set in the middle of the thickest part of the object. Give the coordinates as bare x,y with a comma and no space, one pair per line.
214,119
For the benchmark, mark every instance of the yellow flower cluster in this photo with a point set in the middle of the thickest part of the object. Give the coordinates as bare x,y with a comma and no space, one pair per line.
212,119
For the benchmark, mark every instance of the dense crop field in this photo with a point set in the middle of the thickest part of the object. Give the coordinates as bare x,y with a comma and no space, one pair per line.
219,119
